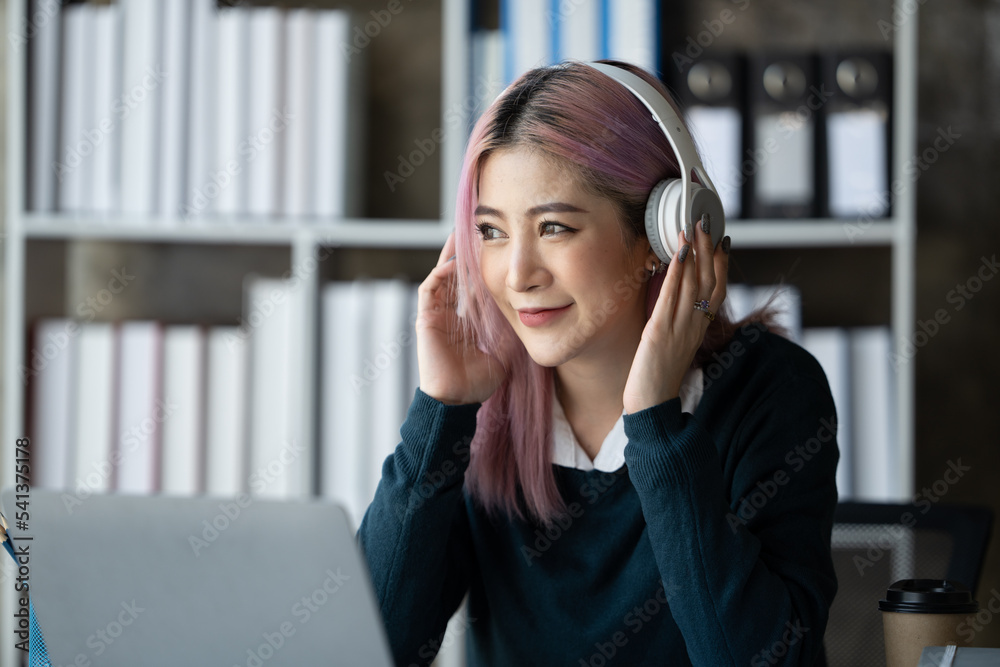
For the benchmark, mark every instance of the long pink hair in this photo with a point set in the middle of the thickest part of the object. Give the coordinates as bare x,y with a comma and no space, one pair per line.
606,137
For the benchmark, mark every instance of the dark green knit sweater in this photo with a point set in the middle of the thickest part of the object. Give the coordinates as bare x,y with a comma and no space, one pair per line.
710,547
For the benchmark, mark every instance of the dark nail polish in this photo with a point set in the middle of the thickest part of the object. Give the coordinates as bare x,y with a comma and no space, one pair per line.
706,221
683,253
725,244
450,258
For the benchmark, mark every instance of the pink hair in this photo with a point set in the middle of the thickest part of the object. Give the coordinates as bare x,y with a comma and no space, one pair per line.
601,132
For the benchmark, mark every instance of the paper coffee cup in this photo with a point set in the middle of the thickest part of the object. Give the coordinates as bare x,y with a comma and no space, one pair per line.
922,612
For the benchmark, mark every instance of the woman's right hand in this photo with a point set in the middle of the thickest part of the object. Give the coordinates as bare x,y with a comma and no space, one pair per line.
452,368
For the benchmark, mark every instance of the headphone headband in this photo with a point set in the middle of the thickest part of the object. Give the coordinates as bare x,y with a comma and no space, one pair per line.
665,116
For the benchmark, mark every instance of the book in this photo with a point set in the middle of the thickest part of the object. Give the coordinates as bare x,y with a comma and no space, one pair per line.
183,394
267,123
227,185
141,409
528,36
140,102
280,465
300,76
631,28
873,401
94,407
201,113
175,92
344,428
53,362
43,155
226,412
75,143
105,192
832,348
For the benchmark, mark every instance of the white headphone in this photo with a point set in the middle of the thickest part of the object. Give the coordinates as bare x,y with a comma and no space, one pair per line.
675,200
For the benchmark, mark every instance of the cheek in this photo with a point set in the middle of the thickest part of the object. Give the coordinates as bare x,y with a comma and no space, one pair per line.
491,270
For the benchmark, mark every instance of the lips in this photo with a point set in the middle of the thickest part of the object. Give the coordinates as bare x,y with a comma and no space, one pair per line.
536,317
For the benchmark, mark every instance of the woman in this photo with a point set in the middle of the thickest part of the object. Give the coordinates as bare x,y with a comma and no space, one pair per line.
612,476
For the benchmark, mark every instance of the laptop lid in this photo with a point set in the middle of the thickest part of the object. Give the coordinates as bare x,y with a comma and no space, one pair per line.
155,580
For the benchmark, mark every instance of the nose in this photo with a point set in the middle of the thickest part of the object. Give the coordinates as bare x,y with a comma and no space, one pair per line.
525,269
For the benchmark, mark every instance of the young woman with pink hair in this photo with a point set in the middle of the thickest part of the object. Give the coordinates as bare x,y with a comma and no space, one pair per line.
611,475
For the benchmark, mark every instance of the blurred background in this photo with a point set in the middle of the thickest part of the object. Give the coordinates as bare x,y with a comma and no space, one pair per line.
407,95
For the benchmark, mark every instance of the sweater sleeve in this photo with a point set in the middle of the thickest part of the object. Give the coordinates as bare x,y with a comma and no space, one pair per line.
415,534
743,546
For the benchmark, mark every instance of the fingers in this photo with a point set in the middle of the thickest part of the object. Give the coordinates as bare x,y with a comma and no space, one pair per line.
448,250
705,251
720,261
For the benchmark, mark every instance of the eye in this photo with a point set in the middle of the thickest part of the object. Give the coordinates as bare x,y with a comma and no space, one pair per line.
488,232
549,228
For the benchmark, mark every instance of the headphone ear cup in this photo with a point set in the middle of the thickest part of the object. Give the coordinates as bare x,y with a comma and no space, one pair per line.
663,215
662,209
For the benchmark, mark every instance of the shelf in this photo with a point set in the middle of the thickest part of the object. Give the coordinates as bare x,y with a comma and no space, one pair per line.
357,232
346,232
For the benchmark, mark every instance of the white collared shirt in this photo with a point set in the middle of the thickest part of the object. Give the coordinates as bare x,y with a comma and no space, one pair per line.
567,451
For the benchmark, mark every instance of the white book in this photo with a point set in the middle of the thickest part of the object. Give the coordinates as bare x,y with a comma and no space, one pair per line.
201,113
226,413
344,427
142,77
75,144
182,449
267,122
53,361
632,29
176,31
718,133
141,409
385,369
228,186
487,70
95,404
43,152
300,87
336,162
578,30
279,463
876,469
528,36
858,172
107,38
832,348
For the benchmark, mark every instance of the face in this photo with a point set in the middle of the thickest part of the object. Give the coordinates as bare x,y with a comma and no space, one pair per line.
554,260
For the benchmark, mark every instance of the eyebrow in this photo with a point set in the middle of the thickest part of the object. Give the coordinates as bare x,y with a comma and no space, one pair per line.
551,207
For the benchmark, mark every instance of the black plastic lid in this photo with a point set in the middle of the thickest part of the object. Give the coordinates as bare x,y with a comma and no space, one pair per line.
928,596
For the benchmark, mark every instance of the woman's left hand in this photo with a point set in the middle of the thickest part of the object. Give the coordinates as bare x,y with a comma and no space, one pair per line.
675,330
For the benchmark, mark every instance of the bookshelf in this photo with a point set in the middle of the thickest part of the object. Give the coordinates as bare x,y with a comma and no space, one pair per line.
30,235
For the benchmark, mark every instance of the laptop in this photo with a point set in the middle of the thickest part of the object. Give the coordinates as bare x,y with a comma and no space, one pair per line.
132,580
